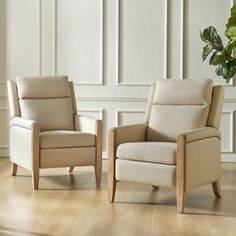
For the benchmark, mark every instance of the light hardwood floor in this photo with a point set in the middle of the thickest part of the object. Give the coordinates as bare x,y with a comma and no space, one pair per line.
72,204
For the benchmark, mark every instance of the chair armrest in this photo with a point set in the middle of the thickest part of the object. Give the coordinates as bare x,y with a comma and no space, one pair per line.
24,142
198,158
23,123
87,124
128,133
201,133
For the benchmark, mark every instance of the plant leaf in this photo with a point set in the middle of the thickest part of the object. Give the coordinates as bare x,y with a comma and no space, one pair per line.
221,69
231,23
202,38
215,59
207,49
210,36
233,11
231,32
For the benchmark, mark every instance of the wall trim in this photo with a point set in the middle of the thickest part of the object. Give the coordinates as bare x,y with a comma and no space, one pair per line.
119,111
182,38
231,149
40,37
100,111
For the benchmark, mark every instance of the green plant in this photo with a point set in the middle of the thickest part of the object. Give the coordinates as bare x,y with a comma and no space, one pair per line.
221,56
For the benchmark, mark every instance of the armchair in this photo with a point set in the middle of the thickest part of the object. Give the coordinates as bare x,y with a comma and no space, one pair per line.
179,143
45,129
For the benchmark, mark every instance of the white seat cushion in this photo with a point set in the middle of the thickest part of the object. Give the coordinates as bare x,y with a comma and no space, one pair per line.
65,139
157,152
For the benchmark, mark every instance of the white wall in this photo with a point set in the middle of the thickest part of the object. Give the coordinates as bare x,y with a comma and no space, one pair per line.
112,50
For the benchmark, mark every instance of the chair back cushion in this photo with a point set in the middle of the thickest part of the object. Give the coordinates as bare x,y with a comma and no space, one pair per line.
47,100
178,106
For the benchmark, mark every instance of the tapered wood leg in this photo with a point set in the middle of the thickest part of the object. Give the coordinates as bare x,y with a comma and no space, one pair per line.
98,173
112,190
216,188
180,170
180,201
111,165
70,170
13,169
35,178
98,163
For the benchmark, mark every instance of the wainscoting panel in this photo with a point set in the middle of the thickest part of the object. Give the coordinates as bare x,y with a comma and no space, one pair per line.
112,50
79,40
141,41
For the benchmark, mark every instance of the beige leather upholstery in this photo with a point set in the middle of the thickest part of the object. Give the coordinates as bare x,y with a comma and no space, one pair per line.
179,145
43,128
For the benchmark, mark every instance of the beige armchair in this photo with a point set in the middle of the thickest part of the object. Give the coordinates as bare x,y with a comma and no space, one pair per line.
45,129
179,143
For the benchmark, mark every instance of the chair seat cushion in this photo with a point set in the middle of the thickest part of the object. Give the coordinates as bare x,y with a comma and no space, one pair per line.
65,139
157,152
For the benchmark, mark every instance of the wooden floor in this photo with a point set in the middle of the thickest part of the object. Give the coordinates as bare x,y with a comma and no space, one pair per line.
73,205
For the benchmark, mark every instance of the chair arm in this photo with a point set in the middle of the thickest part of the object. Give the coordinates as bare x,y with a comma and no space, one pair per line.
128,133
24,142
198,158
23,123
201,133
87,124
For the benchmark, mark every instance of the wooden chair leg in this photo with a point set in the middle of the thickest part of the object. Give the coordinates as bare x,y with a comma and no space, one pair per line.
13,169
70,170
35,178
216,188
98,173
112,190
180,201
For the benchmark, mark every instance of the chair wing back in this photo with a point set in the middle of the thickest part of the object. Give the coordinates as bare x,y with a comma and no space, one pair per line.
216,106
49,100
175,106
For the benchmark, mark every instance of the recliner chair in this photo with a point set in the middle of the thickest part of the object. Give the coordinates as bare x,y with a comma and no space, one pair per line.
45,129
179,143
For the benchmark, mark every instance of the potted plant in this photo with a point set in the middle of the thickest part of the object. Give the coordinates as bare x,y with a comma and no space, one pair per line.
220,56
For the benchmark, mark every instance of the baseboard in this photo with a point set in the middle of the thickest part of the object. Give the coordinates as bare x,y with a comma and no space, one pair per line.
4,151
228,157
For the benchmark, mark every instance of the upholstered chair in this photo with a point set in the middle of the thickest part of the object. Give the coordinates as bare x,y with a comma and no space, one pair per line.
179,143
45,129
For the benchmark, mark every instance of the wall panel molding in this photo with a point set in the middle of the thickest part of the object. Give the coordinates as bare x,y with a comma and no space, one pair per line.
119,112
100,81
119,45
91,110
231,132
